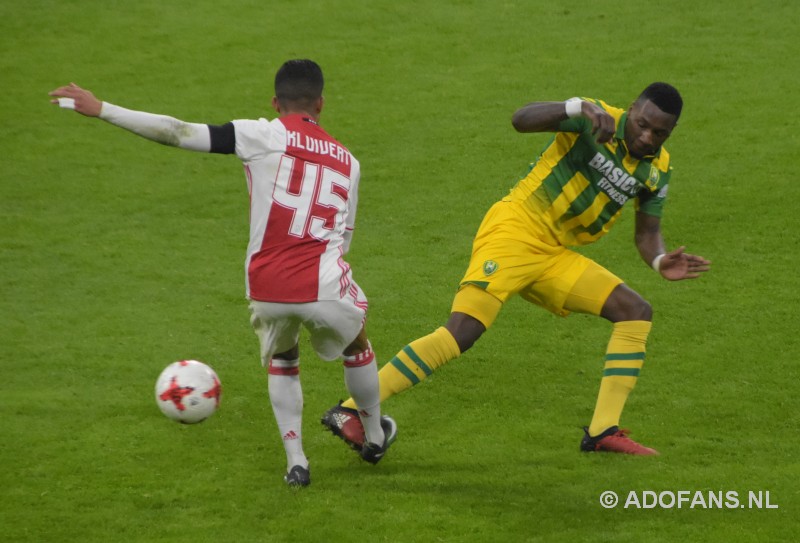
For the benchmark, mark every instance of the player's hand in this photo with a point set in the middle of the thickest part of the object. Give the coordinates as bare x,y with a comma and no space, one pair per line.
603,125
677,265
84,101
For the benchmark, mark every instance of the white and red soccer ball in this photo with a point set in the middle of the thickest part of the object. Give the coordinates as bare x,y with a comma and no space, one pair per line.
188,391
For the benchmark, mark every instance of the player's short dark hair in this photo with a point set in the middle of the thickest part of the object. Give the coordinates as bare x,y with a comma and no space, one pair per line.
299,82
665,97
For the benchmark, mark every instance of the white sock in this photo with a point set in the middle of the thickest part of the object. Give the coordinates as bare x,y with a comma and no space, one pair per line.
286,397
361,379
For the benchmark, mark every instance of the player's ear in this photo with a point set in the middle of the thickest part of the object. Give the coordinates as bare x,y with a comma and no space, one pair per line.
275,105
319,104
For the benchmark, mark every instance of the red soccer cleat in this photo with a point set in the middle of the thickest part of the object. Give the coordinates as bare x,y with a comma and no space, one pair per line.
614,440
345,423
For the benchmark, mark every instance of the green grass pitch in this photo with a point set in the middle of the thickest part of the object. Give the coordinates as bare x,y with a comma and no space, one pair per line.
118,256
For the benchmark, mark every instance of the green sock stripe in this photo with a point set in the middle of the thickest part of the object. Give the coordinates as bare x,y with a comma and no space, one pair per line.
625,356
397,363
627,372
417,360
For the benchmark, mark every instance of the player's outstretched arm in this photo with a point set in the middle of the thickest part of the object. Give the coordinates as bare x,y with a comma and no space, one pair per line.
673,265
539,117
159,128
546,117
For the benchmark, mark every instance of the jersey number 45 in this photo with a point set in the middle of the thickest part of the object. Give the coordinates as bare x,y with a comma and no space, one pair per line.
317,195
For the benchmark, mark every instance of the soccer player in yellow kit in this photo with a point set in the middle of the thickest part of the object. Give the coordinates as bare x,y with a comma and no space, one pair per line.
599,158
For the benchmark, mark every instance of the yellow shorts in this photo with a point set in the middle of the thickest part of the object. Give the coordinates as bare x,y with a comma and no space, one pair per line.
509,258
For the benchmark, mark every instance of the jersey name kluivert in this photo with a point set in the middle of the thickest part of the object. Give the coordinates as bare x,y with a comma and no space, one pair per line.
303,188
576,188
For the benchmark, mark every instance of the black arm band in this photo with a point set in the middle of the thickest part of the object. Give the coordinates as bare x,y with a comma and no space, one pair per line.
223,138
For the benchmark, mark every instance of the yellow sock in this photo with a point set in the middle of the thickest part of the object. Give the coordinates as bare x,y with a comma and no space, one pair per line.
414,363
624,360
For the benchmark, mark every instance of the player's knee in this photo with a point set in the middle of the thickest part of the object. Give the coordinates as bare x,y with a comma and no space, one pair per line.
465,342
291,354
358,345
625,304
633,309
641,311
465,330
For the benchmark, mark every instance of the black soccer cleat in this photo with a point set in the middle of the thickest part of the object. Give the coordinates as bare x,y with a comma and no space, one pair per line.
298,476
372,452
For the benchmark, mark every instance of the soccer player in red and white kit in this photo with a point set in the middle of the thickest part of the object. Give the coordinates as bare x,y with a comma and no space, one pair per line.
303,187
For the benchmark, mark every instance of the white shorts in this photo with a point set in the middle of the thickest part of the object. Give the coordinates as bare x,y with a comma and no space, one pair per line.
333,324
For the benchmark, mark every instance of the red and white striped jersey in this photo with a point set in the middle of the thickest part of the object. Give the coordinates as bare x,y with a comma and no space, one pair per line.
303,187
